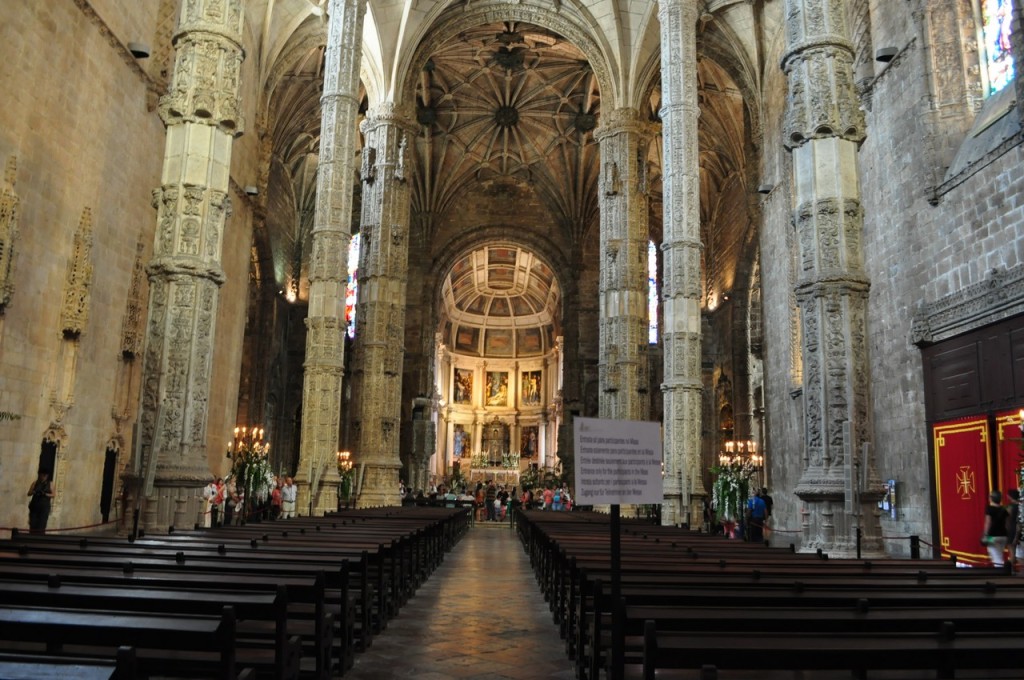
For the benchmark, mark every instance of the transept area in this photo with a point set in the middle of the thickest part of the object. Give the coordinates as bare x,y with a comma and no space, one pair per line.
431,233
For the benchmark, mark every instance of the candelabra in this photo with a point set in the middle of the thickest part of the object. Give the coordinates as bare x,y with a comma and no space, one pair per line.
250,468
345,471
735,451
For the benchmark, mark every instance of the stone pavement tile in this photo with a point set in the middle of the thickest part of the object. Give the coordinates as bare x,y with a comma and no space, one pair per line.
480,615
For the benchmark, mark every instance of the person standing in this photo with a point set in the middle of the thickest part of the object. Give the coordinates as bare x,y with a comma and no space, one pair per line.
490,494
217,503
289,493
276,500
41,493
1013,541
757,511
549,496
993,537
209,493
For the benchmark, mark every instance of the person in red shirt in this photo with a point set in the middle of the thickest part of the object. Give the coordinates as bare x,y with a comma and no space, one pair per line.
549,497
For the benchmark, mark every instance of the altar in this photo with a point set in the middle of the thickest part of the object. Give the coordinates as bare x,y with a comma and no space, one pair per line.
501,476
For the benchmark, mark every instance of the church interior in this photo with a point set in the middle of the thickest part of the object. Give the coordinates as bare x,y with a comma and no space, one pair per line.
410,239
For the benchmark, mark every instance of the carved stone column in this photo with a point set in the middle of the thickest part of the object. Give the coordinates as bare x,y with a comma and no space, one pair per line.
824,126
625,229
682,386
317,476
424,436
201,113
380,311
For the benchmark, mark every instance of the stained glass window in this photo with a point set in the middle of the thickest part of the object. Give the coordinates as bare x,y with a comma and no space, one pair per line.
996,17
652,292
352,287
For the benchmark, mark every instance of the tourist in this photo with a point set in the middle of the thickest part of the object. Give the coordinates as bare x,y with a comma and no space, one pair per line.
993,537
41,492
276,499
217,503
755,516
1013,531
490,493
209,492
230,502
479,499
289,494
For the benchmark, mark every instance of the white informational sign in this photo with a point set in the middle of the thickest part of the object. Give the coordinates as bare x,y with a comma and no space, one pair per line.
617,462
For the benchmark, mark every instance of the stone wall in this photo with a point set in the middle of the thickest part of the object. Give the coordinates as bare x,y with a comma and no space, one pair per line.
917,253
77,114
917,250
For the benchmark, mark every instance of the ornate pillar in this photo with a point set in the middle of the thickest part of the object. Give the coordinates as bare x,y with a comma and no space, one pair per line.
380,315
824,126
201,114
625,229
681,247
317,476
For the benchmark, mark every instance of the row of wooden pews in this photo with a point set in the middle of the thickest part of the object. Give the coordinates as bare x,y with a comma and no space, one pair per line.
707,607
284,600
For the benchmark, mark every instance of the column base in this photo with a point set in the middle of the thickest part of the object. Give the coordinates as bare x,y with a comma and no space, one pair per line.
380,486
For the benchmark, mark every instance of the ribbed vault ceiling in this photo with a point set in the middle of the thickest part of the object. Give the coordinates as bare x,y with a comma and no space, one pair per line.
508,102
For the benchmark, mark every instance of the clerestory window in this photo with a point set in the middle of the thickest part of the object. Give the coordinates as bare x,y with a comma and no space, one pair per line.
994,18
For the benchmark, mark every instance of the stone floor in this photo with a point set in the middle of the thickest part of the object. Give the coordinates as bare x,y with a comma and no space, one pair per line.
479,615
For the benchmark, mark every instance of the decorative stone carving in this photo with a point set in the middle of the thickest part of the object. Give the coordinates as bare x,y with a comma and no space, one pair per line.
8,232
131,324
379,344
818,63
204,86
369,160
832,287
185,273
322,382
995,298
74,312
681,250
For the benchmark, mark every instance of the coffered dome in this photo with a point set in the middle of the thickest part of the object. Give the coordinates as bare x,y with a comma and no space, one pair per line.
500,301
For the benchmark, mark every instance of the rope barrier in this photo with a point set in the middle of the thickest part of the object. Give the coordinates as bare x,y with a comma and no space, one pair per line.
61,529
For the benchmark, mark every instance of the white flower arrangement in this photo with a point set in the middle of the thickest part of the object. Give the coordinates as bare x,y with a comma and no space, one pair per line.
731,488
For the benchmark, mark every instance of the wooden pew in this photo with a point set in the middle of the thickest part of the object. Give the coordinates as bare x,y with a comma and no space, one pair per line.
255,553
172,646
673,575
251,608
14,666
943,652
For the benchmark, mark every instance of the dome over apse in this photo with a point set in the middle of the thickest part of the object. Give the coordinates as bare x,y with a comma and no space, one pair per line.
500,301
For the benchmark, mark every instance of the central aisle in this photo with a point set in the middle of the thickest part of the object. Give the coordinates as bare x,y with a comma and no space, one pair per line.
479,615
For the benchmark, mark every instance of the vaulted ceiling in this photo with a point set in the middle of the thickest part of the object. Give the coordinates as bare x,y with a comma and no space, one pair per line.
508,101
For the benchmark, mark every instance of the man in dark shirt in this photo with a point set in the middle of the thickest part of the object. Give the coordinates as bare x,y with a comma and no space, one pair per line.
767,502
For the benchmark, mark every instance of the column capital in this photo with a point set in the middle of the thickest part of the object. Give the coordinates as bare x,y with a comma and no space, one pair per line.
389,113
818,63
624,120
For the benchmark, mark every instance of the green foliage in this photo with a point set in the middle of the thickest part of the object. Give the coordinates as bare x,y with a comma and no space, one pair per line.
731,489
